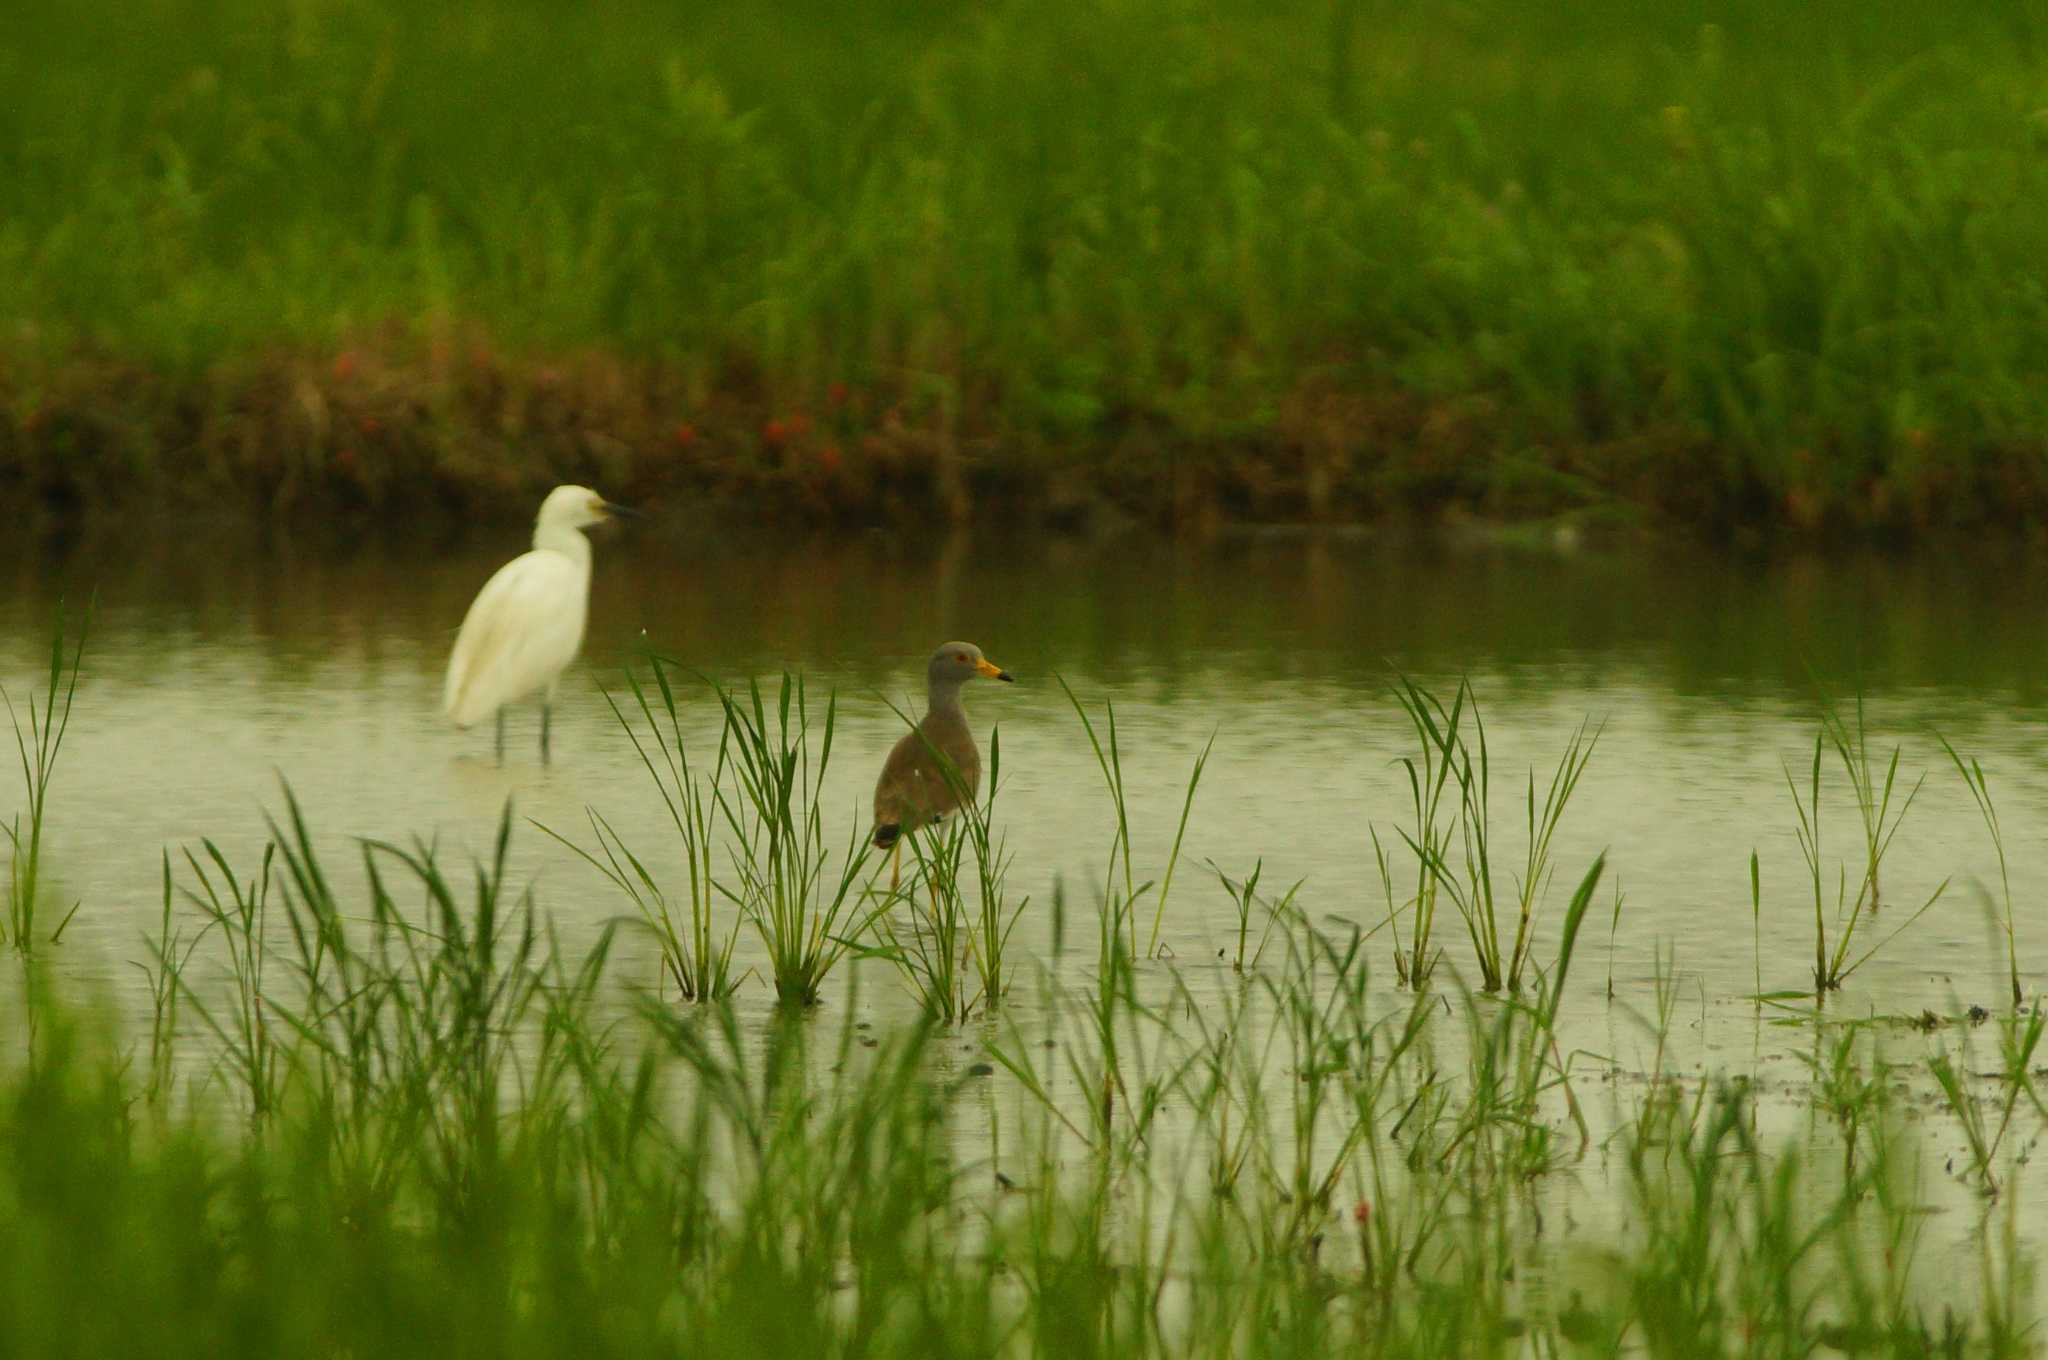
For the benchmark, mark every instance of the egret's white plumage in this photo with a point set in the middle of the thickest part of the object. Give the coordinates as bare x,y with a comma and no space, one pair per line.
526,624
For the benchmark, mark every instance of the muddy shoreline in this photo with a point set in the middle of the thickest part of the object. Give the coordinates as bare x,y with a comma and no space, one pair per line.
362,433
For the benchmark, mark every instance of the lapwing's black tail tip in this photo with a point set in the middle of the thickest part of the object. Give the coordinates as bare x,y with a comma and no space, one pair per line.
886,834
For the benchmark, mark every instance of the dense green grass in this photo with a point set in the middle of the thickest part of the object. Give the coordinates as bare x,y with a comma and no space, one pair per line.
1741,260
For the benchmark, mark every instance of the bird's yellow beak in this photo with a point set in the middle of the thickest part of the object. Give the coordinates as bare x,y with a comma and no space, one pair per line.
990,669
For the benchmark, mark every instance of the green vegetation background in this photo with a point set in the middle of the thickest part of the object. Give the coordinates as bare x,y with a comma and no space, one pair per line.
1740,263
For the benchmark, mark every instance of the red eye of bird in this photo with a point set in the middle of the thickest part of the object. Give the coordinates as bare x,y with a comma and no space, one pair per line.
960,656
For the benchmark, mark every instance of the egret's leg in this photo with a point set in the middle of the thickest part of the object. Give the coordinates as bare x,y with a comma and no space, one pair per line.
501,736
545,705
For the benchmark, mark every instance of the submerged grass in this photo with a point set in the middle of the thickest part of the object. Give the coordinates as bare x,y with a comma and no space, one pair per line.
1295,258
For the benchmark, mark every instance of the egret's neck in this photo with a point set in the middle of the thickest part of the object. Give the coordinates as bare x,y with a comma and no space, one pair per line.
570,543
945,700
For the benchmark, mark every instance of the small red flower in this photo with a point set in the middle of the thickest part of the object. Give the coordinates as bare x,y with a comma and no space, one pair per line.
1361,1212
370,425
836,394
774,432
345,365
828,458
684,434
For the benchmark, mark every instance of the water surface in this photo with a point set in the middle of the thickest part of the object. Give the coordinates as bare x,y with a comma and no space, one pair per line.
214,673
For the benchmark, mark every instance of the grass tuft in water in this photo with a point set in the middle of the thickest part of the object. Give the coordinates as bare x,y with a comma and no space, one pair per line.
805,906
1109,759
1436,731
696,957
2019,1039
995,917
38,748
1880,823
1980,791
1873,795
1244,897
1473,889
238,912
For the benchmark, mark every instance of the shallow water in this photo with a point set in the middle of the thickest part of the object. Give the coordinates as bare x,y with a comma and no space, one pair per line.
212,673
215,672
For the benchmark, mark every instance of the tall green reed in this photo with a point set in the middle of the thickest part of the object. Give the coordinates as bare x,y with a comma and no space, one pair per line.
805,906
1873,794
1756,921
1103,1053
1613,928
1880,823
170,953
1109,760
696,956
1516,1063
995,916
238,910
1436,729
37,749
1472,887
1980,792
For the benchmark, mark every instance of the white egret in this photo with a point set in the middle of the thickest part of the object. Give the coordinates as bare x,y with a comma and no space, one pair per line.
914,791
526,624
